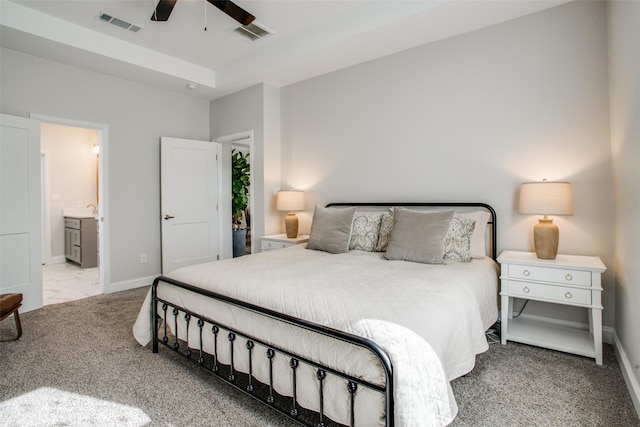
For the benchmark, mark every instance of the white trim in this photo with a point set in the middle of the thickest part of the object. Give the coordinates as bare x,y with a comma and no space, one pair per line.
132,284
46,207
103,224
60,259
627,372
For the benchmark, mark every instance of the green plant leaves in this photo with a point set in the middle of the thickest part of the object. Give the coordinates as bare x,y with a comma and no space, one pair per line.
240,181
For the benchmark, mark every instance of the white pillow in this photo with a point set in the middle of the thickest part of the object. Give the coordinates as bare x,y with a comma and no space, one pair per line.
478,244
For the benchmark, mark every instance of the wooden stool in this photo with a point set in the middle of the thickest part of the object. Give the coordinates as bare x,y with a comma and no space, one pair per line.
9,304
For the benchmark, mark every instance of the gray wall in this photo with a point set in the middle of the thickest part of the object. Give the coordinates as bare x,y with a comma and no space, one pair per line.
624,36
468,119
257,109
137,116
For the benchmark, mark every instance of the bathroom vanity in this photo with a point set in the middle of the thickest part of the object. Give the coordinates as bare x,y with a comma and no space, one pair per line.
81,240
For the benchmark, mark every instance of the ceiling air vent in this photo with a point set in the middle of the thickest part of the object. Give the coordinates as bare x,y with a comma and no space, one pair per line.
252,32
105,17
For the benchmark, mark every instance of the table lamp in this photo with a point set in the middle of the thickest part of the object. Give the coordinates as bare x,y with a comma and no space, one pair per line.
290,201
546,198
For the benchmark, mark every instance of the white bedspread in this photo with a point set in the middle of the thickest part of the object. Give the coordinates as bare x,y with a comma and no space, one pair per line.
430,319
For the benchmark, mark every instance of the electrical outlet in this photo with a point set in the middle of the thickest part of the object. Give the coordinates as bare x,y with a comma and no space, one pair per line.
143,258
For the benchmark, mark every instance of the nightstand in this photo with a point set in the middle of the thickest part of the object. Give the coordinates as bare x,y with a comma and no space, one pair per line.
569,280
279,241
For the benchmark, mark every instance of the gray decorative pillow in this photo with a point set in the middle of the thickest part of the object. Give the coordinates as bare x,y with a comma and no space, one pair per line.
386,225
365,231
418,236
330,229
457,242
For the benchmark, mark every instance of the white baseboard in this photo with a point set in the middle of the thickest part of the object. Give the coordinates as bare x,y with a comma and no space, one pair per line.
627,372
57,259
130,284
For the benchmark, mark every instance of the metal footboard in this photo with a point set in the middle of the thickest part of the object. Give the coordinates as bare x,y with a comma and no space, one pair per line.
241,341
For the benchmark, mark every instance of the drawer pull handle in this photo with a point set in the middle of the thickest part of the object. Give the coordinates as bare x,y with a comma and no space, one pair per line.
568,295
526,272
568,277
525,290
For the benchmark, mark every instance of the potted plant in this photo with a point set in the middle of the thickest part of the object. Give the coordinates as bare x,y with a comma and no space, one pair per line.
240,181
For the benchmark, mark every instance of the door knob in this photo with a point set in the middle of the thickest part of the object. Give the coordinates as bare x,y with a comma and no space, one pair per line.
167,216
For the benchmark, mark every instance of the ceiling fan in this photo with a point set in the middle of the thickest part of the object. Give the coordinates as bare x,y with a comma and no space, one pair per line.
164,8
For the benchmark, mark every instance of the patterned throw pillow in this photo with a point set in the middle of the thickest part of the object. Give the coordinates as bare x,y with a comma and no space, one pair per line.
457,242
478,245
386,225
365,231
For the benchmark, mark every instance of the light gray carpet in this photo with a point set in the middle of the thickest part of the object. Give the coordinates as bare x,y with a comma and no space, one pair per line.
77,364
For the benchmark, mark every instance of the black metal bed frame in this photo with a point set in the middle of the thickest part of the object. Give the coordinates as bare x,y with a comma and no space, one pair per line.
246,382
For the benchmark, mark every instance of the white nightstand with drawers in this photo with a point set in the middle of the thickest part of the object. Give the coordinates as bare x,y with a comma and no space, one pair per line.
569,280
279,241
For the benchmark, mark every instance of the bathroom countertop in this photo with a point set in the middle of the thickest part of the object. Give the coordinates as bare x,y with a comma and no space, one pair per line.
79,213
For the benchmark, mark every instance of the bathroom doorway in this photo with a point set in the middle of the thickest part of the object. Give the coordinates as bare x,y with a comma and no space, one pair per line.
72,166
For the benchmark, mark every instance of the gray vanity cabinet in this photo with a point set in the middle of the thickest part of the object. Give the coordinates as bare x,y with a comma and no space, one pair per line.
81,241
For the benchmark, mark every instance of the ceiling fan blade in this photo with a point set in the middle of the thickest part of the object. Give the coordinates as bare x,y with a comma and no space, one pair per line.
234,11
163,10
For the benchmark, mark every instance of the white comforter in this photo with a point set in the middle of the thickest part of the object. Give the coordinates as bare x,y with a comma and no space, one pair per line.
430,319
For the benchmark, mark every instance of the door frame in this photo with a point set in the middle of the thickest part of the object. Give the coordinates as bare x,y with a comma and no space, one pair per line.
45,189
104,243
226,144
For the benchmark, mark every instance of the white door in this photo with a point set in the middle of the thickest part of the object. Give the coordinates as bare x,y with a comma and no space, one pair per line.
20,233
189,198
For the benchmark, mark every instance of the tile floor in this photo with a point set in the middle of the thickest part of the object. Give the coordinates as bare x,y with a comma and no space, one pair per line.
67,282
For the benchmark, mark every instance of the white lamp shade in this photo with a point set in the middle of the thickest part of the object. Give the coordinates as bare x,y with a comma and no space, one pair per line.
546,198
290,200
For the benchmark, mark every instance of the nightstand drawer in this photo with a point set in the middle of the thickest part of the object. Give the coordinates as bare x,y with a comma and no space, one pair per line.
269,245
552,293
552,275
279,241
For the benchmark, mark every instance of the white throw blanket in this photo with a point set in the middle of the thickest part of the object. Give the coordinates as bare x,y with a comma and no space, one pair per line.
430,319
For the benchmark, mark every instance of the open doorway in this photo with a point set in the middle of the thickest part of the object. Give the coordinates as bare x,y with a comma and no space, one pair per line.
242,143
72,209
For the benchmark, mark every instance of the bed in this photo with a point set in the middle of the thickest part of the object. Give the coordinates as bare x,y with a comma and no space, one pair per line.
327,336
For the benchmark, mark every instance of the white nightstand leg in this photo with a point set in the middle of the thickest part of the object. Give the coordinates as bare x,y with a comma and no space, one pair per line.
595,319
505,315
